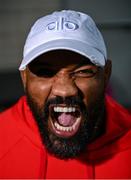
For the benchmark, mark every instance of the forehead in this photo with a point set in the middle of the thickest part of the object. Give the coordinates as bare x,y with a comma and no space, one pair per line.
60,58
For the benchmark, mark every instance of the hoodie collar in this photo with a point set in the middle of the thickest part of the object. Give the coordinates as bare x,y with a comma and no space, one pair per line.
118,123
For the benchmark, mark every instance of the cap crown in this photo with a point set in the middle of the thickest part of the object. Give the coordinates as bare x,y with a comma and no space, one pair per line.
64,25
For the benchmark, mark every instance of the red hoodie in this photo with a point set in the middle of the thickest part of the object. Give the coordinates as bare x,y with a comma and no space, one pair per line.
22,154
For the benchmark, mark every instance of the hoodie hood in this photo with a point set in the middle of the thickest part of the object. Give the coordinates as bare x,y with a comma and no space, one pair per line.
118,125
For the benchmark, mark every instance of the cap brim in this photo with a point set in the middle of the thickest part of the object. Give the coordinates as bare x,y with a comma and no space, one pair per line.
79,47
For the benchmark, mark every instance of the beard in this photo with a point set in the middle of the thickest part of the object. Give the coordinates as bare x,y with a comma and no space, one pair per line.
91,127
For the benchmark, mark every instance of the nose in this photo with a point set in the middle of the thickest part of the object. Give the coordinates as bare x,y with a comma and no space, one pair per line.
64,85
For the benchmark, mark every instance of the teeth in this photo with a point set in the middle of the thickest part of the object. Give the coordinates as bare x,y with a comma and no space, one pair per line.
61,128
64,109
68,129
73,109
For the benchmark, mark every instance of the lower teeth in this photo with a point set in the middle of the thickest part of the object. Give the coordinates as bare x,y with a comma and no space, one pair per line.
61,128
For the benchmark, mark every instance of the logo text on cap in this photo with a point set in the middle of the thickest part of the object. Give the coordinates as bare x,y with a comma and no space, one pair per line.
61,24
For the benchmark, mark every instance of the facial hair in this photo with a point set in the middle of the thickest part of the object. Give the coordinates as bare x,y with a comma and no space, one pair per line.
89,130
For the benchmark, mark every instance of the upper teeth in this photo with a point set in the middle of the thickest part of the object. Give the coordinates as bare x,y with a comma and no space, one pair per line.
64,109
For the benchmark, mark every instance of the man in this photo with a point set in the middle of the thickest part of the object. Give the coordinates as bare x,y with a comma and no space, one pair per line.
65,126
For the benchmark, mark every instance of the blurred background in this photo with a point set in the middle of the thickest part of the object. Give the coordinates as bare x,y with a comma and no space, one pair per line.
113,17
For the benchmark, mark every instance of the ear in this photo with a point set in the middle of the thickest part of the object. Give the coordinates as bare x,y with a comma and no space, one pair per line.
107,71
23,74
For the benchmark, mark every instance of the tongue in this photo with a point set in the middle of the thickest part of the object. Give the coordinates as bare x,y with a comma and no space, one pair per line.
66,119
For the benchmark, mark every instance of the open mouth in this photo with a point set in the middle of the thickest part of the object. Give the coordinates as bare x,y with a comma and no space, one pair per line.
64,120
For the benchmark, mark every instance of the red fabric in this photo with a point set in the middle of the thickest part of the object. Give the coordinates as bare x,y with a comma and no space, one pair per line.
22,154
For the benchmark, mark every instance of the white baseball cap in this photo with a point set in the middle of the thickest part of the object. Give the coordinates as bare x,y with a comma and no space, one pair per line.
65,30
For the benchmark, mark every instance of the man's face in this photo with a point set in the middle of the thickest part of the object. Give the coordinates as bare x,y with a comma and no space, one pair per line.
65,92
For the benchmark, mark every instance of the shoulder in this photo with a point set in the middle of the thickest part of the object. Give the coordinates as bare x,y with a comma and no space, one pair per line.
8,117
17,125
9,133
119,124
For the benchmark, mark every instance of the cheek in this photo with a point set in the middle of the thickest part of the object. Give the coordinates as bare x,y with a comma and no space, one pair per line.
39,90
91,89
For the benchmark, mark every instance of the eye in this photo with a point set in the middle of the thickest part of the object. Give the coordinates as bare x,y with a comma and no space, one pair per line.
88,72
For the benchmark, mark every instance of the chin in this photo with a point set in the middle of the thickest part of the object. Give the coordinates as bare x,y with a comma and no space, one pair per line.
66,126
